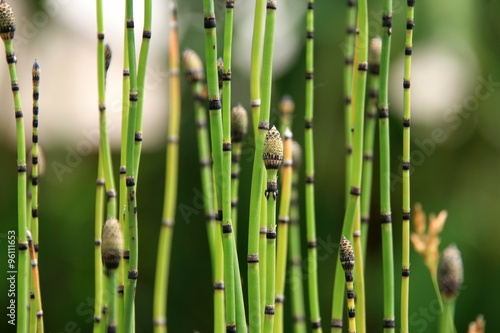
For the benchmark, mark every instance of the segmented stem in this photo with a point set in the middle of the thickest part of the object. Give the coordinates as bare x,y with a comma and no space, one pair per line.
256,63
385,172
111,289
353,206
405,284
283,220
141,81
171,179
36,285
98,269
131,209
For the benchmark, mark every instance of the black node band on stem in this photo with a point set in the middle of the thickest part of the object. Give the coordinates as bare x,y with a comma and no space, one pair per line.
126,72
209,22
214,104
386,218
138,137
262,230
252,258
219,286
226,76
309,75
263,125
133,274
351,30
348,99
279,299
406,122
218,216
411,3
389,323
230,4
316,324
351,313
351,3
336,323
134,96
235,175
387,21
283,219
18,114
11,58
123,170
15,86
406,272
231,328
34,181
363,66
269,310
348,61
34,138
365,219
227,229
408,51
146,34
383,112
406,216
271,234
21,168
97,319
126,254
406,84
111,328
130,181
310,5
309,124
100,36
368,156
130,23
310,34
121,289
309,180
226,146
410,24
97,242
23,246
234,204
355,191
406,166
350,294
271,5
311,244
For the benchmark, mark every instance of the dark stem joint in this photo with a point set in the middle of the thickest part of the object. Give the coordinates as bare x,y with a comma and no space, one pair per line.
365,219
309,124
272,188
100,36
111,194
348,100
375,70
386,218
355,191
209,22
406,272
235,158
309,75
311,244
406,84
11,58
284,219
226,146
121,289
350,294
368,156
126,254
35,109
214,104
351,3
205,163
309,180
234,204
130,23
235,175
218,285
218,216
263,125
97,242
348,275
252,258
34,138
406,122
123,170
230,4
387,21
138,137
97,319
23,246
310,5
406,216
336,323
146,34
226,76
36,97
15,86
316,324
227,229
408,51
100,182
21,168
279,299
383,112
410,24
411,3
269,310
271,234
363,66
231,328
262,230
34,181
350,30
271,5
126,72
406,166
130,182
389,323
310,34
351,313
133,274
134,96
34,213
19,114
287,163
349,61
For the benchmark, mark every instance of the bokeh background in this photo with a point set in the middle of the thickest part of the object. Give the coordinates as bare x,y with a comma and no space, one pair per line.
455,91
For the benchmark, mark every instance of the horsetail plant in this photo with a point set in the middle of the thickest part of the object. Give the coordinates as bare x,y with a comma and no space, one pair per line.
347,258
196,76
358,103
141,80
254,286
239,128
309,161
38,325
296,276
450,278
272,154
98,267
347,81
283,221
171,179
256,63
111,250
370,124
131,209
405,284
7,32
385,172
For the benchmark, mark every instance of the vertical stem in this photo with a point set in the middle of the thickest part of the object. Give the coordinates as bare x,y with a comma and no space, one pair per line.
256,63
141,80
359,85
171,179
359,281
283,220
23,281
405,284
349,59
98,270
111,300
36,285
309,159
131,225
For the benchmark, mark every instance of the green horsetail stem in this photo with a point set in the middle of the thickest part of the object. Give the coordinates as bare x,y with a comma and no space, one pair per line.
195,75
296,274
98,267
239,129
33,186
7,31
347,259
141,81
283,221
450,279
348,60
256,63
111,250
358,103
370,124
39,328
312,261
405,284
171,180
254,291
272,154
385,172
131,209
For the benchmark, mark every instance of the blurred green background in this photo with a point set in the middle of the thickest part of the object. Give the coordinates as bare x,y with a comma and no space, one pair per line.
456,81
